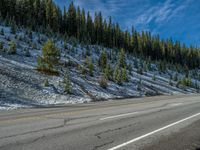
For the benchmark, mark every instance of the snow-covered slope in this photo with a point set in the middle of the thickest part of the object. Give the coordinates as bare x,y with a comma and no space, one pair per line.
21,85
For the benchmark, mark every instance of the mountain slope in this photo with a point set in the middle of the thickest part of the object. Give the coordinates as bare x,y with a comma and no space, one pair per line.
21,85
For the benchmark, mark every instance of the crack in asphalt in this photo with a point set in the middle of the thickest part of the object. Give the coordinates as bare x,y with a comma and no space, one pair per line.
65,120
98,135
45,129
102,145
37,139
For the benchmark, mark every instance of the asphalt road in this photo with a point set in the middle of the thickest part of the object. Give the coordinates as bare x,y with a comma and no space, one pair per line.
164,122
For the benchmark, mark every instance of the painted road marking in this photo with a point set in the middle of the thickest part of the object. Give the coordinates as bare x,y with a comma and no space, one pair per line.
153,132
176,104
117,116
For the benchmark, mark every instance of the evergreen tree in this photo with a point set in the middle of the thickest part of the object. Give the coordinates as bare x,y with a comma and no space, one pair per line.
46,82
122,61
140,71
91,67
118,75
12,48
139,85
79,23
83,28
50,58
55,19
90,27
108,72
2,31
13,28
186,72
176,77
103,82
154,77
136,64
1,45
170,82
103,60
67,83
27,52
71,20
186,81
130,69
64,23
124,75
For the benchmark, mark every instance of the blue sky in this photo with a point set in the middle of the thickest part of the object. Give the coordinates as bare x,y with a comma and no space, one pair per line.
179,19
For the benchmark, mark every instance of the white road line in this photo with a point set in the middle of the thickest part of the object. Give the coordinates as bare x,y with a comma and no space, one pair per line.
176,104
117,116
153,132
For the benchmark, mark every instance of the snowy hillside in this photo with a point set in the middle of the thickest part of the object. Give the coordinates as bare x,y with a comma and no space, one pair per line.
21,85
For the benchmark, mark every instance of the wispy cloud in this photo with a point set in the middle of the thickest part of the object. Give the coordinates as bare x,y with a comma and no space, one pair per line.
159,13
108,8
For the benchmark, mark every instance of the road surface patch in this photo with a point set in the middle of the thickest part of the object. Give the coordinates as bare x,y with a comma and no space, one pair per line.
118,116
153,132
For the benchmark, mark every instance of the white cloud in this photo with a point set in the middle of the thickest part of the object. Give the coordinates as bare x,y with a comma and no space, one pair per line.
162,12
107,8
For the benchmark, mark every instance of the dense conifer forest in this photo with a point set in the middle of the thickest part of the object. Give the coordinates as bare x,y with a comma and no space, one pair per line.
46,16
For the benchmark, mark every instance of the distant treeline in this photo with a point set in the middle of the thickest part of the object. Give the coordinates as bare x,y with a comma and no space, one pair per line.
75,22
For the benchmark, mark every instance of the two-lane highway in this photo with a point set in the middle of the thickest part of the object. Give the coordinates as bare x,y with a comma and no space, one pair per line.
121,124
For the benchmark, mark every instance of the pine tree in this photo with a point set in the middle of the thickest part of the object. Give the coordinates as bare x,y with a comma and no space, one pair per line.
49,59
122,61
170,82
1,45
48,13
110,33
139,85
90,27
46,82
78,21
2,31
130,69
140,71
154,77
91,68
186,72
36,6
71,19
55,19
124,75
145,66
186,81
161,67
108,72
27,52
83,28
103,60
176,77
118,75
67,83
136,64
88,52
103,82
13,28
64,23
12,48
